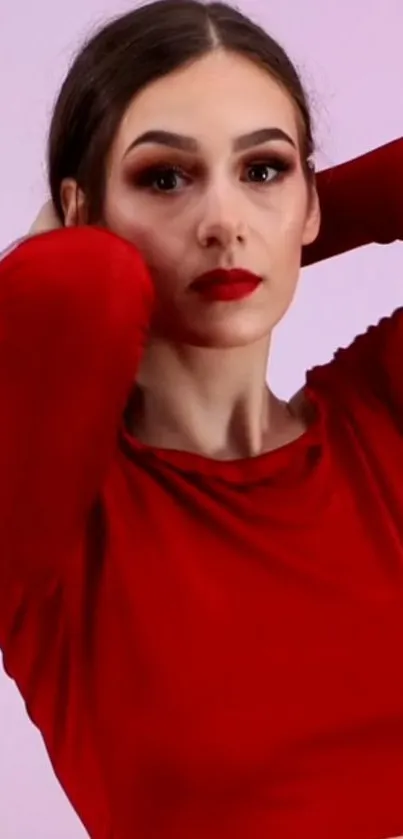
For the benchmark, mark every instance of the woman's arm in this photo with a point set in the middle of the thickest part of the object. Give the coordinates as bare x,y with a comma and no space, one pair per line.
74,309
361,202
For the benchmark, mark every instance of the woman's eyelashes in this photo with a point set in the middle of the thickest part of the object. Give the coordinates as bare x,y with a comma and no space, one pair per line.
163,178
266,171
168,179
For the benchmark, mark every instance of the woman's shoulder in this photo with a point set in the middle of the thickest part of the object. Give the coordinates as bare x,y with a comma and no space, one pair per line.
370,366
357,396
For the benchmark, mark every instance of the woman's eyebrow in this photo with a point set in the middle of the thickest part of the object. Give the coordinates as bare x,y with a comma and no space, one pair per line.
189,144
262,135
165,138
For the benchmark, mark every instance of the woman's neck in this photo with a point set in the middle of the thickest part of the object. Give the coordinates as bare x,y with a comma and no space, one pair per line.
215,403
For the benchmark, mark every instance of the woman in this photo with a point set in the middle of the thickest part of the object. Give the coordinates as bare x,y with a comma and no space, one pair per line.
201,604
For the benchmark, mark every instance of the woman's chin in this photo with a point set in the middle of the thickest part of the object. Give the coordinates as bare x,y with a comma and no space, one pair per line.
226,336
217,328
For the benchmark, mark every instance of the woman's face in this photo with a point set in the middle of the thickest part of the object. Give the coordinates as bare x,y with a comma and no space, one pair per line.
205,172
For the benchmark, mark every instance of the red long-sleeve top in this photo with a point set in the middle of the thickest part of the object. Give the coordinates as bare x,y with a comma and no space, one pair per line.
211,650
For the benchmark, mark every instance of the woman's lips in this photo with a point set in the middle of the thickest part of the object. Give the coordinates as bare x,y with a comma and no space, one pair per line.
221,284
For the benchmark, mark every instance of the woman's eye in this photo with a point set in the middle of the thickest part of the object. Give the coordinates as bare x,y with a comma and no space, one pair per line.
262,173
164,179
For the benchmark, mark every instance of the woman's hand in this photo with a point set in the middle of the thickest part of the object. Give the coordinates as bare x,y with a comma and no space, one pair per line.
46,220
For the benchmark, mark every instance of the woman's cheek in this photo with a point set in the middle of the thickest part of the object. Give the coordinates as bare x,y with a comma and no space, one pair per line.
139,234
161,234
165,248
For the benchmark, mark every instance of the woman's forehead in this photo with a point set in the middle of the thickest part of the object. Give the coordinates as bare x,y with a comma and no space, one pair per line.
220,92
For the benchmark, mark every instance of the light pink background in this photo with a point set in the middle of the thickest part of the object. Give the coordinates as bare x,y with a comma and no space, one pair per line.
351,58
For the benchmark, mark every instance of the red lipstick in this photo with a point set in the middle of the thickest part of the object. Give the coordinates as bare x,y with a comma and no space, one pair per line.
221,284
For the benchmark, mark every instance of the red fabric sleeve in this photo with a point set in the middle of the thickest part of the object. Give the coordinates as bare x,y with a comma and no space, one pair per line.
371,366
361,203
74,308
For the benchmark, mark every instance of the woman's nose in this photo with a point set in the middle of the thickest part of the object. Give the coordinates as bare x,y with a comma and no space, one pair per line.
220,225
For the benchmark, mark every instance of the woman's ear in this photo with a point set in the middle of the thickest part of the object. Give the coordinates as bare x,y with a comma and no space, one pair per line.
73,203
313,218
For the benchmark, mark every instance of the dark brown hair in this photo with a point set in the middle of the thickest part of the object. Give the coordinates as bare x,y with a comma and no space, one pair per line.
127,54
